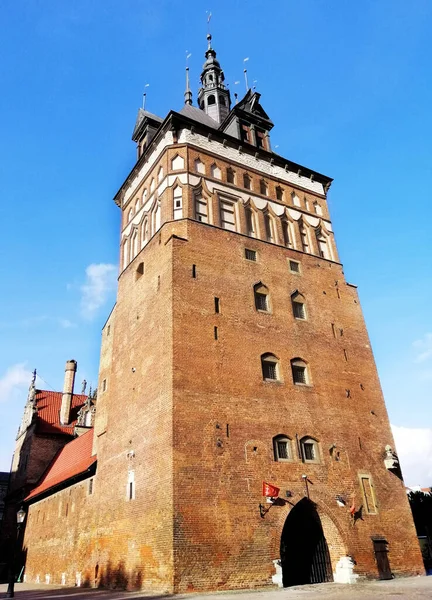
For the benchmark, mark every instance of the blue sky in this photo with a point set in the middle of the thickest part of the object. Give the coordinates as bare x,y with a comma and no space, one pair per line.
348,87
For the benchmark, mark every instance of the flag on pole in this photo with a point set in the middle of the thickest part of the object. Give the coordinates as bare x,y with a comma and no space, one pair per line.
269,490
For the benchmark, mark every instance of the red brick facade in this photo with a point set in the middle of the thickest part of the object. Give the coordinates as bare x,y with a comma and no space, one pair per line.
185,422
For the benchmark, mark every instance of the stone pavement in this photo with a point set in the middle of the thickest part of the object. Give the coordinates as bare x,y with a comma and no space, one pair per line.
412,588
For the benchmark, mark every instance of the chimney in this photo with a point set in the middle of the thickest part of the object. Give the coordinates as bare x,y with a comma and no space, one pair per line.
70,370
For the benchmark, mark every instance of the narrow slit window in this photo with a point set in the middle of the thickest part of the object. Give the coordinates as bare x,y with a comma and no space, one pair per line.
250,221
217,305
194,271
215,333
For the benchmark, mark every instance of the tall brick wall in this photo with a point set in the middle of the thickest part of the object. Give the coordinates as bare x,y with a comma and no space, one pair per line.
192,418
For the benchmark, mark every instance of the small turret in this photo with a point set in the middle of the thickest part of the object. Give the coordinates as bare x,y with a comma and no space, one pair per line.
213,97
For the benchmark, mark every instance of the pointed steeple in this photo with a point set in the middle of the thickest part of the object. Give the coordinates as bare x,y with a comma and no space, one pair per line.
188,93
213,97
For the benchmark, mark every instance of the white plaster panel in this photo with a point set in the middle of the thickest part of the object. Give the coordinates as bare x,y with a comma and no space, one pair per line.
148,165
314,221
294,214
182,177
194,180
250,161
260,203
278,209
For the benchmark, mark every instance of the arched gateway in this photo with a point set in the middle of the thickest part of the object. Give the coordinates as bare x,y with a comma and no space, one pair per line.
305,556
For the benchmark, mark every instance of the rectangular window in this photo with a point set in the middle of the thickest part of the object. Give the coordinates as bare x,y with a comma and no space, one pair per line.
294,266
282,450
299,310
230,176
261,139
368,494
261,301
217,305
309,451
250,254
299,374
245,133
201,210
269,370
215,333
194,274
227,215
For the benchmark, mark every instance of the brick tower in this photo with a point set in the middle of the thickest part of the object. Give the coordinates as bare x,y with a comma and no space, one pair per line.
236,354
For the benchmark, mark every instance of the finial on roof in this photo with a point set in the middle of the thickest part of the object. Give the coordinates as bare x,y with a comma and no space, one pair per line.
33,381
209,39
84,385
188,93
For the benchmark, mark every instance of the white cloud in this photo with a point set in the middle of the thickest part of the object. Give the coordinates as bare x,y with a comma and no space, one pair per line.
66,324
100,282
424,348
414,448
12,382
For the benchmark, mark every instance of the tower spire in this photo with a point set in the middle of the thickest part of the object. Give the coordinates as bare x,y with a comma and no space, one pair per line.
213,96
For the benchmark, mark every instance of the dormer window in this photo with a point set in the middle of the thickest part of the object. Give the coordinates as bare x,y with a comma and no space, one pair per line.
261,139
245,133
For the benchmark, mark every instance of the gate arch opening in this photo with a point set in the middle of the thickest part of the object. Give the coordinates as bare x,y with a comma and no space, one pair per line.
305,556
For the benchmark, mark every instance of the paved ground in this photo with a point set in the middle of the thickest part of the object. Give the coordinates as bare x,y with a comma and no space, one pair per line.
397,589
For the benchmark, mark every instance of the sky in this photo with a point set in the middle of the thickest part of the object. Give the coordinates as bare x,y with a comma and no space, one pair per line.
348,87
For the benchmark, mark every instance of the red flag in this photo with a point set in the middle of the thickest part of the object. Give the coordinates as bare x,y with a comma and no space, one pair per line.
353,508
269,490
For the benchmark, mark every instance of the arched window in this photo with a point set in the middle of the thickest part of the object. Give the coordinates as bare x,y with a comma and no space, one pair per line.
304,236
295,199
199,166
134,244
125,253
130,214
270,367
160,174
145,234
137,202
317,208
298,306
152,185
201,209
157,216
230,173
178,202
247,182
211,100
299,370
210,78
263,187
261,295
144,197
222,101
323,247
279,193
215,171
269,227
282,448
250,221
177,162
309,450
287,234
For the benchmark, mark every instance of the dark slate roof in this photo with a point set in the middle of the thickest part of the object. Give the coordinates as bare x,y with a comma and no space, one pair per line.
140,117
4,477
198,115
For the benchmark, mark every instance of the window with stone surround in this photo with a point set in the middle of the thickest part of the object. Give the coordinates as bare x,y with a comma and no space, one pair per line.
298,306
250,221
177,202
261,295
300,372
309,450
270,367
368,493
227,214
201,209
282,448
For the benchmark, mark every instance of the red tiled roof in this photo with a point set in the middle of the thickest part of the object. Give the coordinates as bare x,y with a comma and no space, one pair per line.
73,459
48,416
